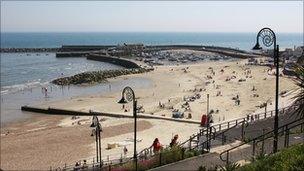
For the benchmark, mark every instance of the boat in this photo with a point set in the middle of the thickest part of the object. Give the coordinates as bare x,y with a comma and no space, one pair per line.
288,69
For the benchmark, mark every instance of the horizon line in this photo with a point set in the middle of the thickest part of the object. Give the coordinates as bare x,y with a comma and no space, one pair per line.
137,32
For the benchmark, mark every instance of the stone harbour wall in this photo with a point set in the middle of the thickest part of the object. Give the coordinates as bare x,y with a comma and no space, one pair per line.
114,60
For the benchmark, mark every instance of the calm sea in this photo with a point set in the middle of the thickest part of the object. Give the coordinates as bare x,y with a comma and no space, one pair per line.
243,41
26,70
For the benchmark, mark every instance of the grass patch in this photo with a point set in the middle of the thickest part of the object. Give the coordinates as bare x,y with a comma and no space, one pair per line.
291,158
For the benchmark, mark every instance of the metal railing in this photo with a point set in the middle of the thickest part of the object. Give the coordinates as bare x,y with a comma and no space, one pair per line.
225,126
252,118
93,163
285,129
217,130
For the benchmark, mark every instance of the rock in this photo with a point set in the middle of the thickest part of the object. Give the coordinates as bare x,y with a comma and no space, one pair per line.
96,76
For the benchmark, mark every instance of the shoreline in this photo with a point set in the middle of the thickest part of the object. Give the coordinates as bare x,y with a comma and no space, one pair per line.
171,86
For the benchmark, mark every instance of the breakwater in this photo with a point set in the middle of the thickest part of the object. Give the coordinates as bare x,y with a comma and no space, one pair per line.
113,60
56,111
72,54
68,48
91,77
90,50
28,50
234,54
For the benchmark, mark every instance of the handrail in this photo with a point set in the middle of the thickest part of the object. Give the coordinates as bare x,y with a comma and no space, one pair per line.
144,150
262,137
216,135
236,121
254,114
192,137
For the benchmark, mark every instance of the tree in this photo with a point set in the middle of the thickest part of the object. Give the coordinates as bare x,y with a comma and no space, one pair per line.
299,97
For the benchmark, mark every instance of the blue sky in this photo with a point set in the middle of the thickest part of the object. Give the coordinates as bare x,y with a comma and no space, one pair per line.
132,16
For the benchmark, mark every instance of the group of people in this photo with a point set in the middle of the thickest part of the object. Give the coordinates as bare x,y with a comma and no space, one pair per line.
237,100
44,90
157,146
78,165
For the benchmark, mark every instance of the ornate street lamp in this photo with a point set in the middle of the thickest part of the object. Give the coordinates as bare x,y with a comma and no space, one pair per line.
96,131
128,96
269,39
208,124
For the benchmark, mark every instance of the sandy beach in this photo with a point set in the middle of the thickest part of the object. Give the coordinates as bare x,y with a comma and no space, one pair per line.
46,140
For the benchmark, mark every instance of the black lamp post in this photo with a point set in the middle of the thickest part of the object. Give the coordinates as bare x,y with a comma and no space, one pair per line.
269,39
208,124
96,131
127,96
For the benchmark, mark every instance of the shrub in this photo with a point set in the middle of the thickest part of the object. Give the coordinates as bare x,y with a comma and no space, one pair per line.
291,158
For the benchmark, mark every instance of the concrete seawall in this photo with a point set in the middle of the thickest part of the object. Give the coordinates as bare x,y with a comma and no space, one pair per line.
233,54
83,50
73,48
54,111
72,54
114,60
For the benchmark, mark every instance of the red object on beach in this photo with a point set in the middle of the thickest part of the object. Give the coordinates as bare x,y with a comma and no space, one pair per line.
204,120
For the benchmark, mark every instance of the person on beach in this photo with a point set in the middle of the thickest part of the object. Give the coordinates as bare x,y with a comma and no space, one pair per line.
210,118
84,165
156,146
252,118
77,166
174,141
44,91
125,150
238,102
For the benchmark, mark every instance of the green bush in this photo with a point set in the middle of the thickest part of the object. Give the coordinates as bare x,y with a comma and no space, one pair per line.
171,155
230,167
291,158
168,155
191,153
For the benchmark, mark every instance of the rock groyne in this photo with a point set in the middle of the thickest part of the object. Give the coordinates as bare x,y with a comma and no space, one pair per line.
91,77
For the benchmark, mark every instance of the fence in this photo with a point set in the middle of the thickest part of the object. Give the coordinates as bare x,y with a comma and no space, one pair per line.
216,130
282,130
252,118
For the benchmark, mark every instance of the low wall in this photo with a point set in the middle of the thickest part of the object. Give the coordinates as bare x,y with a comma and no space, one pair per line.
54,111
113,60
